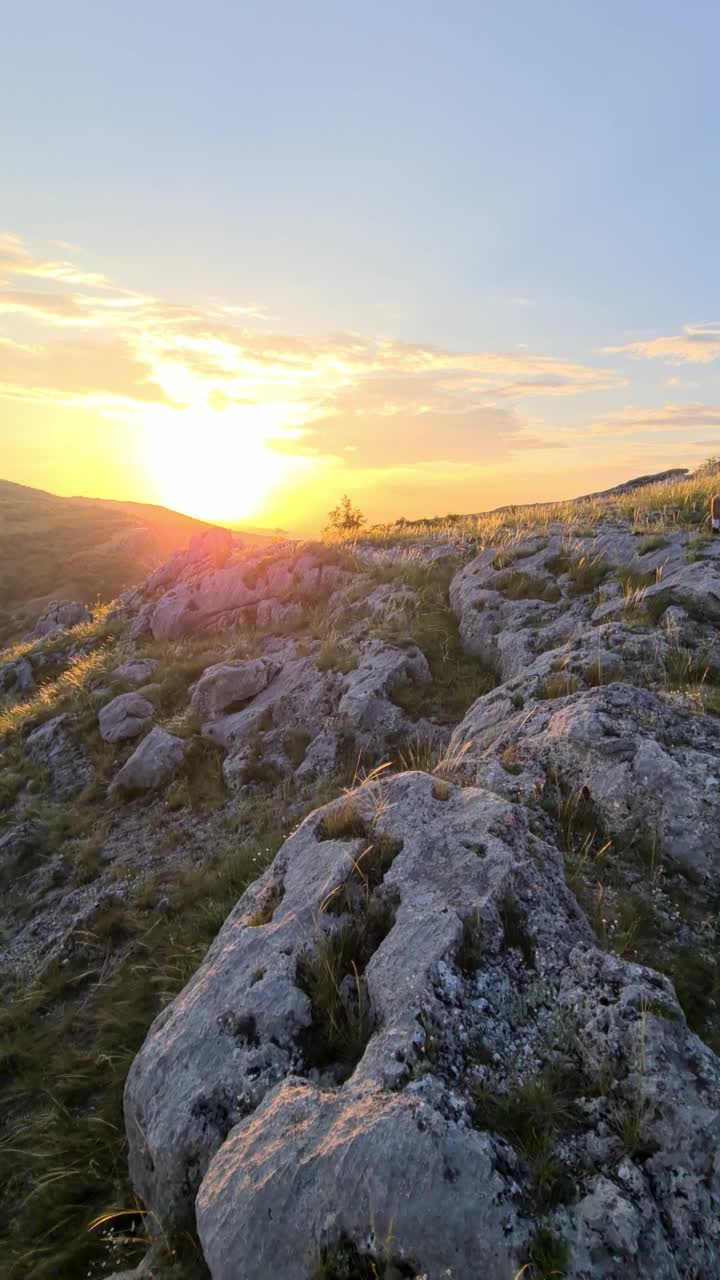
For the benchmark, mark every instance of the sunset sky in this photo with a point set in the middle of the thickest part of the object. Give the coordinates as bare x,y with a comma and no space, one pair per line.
439,256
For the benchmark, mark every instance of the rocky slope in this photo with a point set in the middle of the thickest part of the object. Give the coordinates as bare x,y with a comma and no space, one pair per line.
460,808
83,548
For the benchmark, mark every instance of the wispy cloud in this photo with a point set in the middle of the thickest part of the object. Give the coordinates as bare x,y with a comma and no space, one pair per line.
632,420
697,344
369,400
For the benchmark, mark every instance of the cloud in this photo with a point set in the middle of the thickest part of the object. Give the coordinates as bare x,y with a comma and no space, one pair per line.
671,417
357,399
697,344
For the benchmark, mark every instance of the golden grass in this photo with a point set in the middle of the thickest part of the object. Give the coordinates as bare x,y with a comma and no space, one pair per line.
96,627
655,508
71,687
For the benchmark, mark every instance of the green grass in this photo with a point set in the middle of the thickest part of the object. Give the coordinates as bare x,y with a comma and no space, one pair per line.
69,692
527,586
66,1043
548,1255
531,1118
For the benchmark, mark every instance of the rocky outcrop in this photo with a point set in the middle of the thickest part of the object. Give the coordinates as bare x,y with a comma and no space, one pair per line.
16,677
151,765
52,747
125,717
21,839
651,772
59,616
465,978
136,670
229,684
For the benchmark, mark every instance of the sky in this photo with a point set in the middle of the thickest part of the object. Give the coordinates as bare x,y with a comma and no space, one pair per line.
437,256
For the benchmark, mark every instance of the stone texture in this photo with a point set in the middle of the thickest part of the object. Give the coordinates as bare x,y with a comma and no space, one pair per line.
136,670
125,717
223,1104
651,771
152,764
52,747
228,684
60,616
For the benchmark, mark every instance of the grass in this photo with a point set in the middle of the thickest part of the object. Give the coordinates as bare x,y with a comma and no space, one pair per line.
343,1261
531,1117
527,586
67,1040
335,656
548,1255
634,578
558,685
585,572
69,692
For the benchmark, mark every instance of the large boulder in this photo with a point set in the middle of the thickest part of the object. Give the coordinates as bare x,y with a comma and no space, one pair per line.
125,717
288,1120
53,748
228,685
59,616
152,764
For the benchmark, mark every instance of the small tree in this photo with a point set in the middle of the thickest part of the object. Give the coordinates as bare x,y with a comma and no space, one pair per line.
345,518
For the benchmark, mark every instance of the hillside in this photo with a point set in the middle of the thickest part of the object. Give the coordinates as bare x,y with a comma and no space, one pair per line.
78,548
359,911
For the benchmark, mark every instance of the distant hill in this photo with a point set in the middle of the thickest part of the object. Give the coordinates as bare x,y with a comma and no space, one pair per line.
78,548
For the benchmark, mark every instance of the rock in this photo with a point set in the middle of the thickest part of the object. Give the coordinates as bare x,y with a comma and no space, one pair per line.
125,717
59,616
365,703
315,1155
694,587
650,771
273,613
478,969
16,677
51,747
228,685
136,670
21,839
152,764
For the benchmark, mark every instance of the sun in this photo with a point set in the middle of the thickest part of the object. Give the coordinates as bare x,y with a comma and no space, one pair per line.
214,464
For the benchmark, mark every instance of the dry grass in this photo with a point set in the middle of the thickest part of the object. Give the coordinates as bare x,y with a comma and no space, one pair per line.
69,691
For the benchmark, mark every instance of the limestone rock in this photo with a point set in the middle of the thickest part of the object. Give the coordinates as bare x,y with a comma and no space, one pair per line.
136,670
59,616
125,717
21,839
152,764
229,684
52,747
651,771
16,677
484,975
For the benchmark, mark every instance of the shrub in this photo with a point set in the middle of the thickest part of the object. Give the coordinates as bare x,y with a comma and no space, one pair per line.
345,519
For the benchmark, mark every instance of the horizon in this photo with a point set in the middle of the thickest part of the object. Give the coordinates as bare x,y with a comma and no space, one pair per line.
439,262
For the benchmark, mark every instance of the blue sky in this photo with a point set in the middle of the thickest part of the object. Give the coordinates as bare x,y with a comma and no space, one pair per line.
502,178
